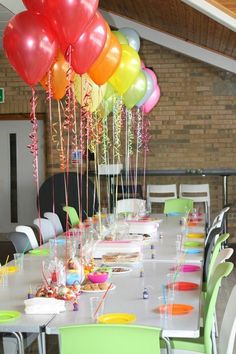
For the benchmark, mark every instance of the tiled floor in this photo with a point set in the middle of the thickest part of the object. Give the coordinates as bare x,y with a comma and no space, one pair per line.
227,285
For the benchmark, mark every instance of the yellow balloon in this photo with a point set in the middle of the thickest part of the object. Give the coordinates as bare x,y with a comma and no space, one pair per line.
87,93
127,71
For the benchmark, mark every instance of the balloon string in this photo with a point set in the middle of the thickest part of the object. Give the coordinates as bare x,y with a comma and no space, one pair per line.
138,133
33,146
60,145
145,139
49,99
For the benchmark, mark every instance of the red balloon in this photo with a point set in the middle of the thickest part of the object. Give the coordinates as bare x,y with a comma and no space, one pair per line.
89,45
30,46
69,18
35,6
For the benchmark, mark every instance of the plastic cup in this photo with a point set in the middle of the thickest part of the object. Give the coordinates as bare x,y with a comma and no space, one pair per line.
165,306
3,277
95,312
19,260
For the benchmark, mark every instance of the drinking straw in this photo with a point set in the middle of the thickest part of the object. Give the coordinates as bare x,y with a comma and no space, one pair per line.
102,299
7,259
164,293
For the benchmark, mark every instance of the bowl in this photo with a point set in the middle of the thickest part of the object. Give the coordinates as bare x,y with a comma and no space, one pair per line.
98,277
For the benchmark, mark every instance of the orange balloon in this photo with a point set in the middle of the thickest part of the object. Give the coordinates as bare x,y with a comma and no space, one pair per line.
107,62
59,80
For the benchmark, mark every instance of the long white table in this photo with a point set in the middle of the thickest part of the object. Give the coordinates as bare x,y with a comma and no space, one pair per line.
126,297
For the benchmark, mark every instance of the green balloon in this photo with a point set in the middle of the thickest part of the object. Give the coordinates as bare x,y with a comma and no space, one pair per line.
121,37
136,91
110,91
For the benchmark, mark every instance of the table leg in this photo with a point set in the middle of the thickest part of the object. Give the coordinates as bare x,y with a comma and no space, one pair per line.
42,343
168,345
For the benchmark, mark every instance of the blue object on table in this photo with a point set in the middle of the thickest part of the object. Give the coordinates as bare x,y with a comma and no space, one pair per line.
193,250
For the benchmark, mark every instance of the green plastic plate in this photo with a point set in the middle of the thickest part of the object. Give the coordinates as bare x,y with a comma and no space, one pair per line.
39,252
8,315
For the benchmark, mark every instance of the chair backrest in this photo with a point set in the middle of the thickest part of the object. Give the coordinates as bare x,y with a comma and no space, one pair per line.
30,233
208,250
20,241
54,218
216,249
131,205
196,192
228,326
107,339
224,254
160,193
178,206
72,215
222,270
45,228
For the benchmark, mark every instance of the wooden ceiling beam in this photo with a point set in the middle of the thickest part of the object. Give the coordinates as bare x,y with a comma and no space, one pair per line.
213,12
172,42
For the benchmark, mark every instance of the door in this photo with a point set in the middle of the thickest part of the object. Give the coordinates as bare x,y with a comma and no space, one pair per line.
17,186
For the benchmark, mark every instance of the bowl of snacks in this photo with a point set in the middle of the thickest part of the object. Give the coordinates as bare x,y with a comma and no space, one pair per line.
98,277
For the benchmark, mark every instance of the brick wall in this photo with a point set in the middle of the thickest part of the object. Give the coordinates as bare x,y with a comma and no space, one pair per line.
192,127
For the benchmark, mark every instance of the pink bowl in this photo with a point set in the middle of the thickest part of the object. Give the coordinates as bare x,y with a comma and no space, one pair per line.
98,277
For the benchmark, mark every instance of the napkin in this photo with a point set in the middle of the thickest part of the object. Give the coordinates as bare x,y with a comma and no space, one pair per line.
44,306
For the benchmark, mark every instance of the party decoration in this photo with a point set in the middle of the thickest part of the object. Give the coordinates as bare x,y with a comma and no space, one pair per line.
35,6
132,37
152,101
136,91
69,18
121,37
153,75
97,92
89,45
59,81
149,89
108,61
127,71
30,46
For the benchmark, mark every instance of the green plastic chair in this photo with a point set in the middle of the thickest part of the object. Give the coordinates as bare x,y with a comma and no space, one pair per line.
178,206
107,339
203,344
73,216
216,250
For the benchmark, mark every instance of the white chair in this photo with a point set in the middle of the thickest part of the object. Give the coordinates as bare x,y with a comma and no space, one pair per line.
30,233
130,206
228,326
223,255
54,218
45,228
199,193
160,193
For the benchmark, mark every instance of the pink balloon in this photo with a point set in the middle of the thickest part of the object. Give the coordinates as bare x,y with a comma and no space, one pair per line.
152,101
30,45
152,74
142,64
89,45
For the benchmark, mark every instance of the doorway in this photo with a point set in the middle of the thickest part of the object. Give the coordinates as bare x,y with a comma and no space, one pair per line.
17,186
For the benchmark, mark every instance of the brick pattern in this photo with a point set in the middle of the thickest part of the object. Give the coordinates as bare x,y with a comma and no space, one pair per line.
192,127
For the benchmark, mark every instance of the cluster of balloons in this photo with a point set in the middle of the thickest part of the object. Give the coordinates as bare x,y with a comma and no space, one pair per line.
63,35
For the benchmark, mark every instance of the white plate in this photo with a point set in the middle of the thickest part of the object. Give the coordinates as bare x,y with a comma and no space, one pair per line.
97,291
125,270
